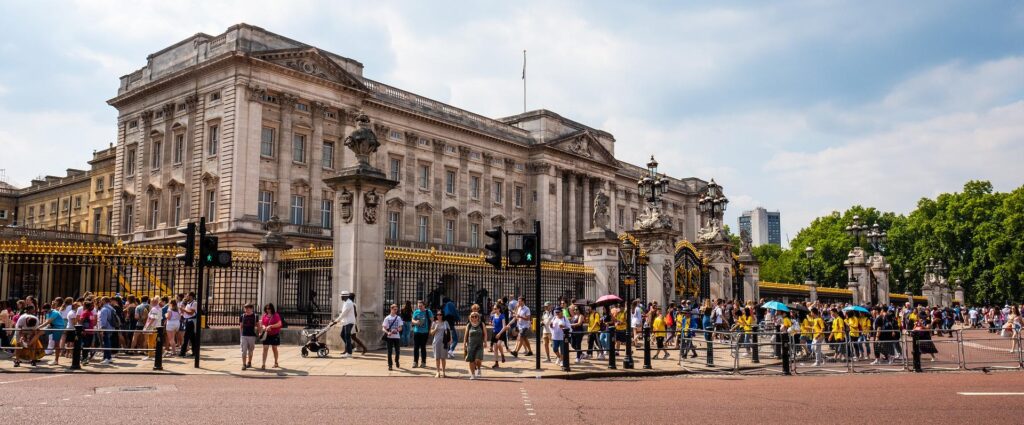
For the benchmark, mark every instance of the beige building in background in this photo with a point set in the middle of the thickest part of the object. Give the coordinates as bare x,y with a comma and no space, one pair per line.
69,203
245,125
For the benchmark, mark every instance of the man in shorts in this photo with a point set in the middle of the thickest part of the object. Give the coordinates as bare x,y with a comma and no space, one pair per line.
247,327
523,318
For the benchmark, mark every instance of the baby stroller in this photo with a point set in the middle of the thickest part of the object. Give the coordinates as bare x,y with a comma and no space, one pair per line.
313,343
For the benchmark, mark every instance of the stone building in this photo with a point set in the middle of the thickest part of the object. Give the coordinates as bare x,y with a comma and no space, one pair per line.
78,202
245,125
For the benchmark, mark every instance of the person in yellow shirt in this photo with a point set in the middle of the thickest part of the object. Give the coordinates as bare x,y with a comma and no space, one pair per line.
838,335
593,330
817,326
805,336
853,325
658,330
865,334
745,322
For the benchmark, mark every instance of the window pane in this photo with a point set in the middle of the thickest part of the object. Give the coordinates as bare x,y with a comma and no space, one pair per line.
328,160
396,169
267,142
299,148
214,140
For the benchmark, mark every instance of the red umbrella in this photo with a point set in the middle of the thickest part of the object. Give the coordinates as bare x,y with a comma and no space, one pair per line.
608,300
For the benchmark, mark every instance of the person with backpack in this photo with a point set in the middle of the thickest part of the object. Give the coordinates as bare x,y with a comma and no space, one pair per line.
451,315
392,328
420,320
442,336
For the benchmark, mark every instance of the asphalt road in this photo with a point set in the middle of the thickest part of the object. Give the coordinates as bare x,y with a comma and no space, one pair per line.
864,398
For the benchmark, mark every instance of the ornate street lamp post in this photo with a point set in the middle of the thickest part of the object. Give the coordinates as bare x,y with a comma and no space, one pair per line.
856,230
713,202
877,238
629,263
809,252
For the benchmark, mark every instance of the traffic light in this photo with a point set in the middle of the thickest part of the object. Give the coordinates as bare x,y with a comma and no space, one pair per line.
210,255
189,244
525,256
494,248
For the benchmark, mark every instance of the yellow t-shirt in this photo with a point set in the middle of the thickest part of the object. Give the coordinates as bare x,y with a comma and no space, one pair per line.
854,326
786,323
838,326
658,326
817,326
594,322
865,324
620,321
746,322
806,328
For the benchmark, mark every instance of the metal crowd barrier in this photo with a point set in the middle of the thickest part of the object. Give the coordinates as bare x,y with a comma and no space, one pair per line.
79,352
981,349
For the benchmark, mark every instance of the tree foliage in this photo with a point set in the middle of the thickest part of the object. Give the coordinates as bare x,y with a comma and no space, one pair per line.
978,233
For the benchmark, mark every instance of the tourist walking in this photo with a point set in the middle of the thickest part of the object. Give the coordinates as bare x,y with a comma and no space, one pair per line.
347,320
557,326
173,324
270,330
523,319
420,333
441,334
107,326
188,318
406,315
392,327
451,315
817,326
545,321
499,331
247,335
475,335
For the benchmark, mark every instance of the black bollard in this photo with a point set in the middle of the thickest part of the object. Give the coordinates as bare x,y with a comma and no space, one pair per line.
755,357
158,358
76,352
711,348
785,355
611,349
647,347
565,352
916,350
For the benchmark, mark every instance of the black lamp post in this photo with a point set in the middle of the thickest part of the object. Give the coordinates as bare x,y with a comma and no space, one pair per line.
877,238
809,252
631,262
713,203
856,230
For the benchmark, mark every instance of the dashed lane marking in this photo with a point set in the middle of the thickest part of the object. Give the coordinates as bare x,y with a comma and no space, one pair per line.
32,379
991,394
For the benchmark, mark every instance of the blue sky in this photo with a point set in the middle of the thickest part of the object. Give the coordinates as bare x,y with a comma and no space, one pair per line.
801,106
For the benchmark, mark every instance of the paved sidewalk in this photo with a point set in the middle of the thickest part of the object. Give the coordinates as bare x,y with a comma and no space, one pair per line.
226,360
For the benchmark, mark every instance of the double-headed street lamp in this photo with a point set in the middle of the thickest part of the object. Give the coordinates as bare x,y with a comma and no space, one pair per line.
877,238
652,186
856,230
713,202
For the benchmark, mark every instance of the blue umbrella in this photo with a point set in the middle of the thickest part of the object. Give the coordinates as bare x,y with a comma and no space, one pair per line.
775,305
857,308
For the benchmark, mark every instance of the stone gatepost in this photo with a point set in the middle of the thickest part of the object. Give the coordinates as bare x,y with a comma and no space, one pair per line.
720,270
880,270
812,290
958,292
858,271
601,253
358,265
271,247
751,268
659,244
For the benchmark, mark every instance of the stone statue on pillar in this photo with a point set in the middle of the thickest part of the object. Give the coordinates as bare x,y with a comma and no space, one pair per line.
359,244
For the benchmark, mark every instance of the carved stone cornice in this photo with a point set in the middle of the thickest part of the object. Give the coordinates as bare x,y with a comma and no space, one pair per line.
168,109
288,100
190,102
463,153
382,129
318,109
488,159
438,145
146,116
348,116
255,92
411,137
509,164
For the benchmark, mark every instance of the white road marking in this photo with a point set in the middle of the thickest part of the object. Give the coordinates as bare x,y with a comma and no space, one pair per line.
992,394
33,379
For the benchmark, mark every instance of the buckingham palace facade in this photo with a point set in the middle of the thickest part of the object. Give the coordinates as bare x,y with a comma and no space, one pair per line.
245,125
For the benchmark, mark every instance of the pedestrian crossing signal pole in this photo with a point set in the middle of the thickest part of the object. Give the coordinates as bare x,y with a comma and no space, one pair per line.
200,294
536,285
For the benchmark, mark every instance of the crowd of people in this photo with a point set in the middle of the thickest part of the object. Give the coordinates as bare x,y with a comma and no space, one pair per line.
822,332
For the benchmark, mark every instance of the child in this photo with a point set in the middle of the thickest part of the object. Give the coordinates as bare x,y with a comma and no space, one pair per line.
658,328
247,328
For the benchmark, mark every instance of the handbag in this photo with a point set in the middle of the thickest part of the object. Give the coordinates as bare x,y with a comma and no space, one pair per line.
384,338
447,337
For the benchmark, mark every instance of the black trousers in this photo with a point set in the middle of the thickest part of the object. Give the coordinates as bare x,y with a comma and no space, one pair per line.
394,344
591,342
419,347
190,332
346,336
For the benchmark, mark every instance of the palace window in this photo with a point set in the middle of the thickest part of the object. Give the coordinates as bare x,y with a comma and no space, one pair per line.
215,96
214,141
325,213
133,124
328,159
78,202
449,232
499,189
176,212
129,163
474,235
211,205
449,182
395,134
99,184
158,148
395,169
298,209
519,197
622,217
129,215
302,107
179,149
267,142
425,177
154,213
424,228
265,203
299,148
393,217
474,187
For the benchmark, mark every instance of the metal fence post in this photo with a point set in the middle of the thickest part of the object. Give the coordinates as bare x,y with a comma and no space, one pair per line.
960,348
158,357
708,338
611,348
755,357
916,350
565,353
76,351
785,355
647,347
1020,352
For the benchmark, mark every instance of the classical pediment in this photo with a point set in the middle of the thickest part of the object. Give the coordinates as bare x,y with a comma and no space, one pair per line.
395,203
312,61
583,144
451,212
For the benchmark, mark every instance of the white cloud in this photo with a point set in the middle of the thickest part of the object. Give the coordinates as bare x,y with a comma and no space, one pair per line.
29,148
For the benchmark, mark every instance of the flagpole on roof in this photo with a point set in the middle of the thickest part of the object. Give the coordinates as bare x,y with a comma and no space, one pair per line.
524,80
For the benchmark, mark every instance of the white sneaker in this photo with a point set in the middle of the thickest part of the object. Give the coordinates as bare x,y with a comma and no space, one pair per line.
875,362
600,356
666,355
472,377
577,361
107,361
816,364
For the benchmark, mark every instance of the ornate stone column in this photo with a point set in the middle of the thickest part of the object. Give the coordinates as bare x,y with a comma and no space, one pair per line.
858,271
601,248
880,272
284,158
359,233
659,244
751,269
573,206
